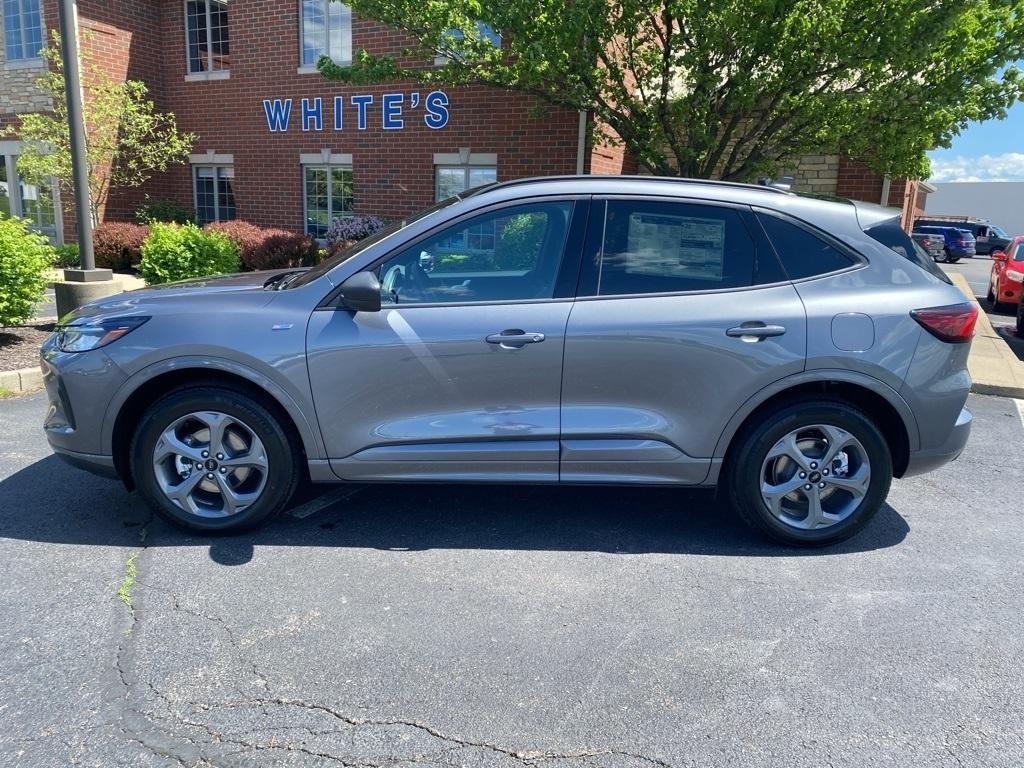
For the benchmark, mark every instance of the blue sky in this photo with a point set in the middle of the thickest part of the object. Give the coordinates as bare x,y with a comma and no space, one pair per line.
989,151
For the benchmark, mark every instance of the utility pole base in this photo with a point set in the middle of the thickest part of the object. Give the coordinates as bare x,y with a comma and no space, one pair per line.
88,275
72,295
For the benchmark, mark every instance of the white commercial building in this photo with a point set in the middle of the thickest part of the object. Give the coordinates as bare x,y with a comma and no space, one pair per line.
1000,202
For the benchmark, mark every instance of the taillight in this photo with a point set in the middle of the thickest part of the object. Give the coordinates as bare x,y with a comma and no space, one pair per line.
961,243
953,323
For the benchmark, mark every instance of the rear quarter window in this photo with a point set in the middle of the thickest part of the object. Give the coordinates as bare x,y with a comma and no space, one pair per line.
891,235
802,253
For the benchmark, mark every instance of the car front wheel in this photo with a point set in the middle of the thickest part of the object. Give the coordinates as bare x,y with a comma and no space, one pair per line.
214,459
810,474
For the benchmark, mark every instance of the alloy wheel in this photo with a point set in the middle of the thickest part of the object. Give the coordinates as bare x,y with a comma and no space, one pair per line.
815,477
210,464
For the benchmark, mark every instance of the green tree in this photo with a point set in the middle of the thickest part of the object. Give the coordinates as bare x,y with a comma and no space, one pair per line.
728,89
127,140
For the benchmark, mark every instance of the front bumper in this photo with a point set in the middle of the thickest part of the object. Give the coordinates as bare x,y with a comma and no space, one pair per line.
933,458
97,465
79,385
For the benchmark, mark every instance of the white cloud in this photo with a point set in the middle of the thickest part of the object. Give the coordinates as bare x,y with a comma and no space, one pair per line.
1008,166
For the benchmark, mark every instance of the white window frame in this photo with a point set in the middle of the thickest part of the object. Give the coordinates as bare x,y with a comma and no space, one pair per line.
9,151
209,73
15,62
309,69
465,160
330,162
216,162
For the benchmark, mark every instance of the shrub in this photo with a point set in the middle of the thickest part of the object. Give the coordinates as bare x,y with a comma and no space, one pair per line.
117,244
179,252
268,248
25,258
154,210
353,228
246,237
281,249
66,256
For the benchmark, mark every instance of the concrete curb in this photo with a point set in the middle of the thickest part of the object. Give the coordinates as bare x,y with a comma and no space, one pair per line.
21,381
994,369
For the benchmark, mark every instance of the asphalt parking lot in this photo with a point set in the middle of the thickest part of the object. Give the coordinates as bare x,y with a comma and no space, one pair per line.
475,626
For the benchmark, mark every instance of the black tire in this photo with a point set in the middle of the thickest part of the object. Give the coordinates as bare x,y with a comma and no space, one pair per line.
952,259
742,474
1020,319
945,255
283,456
991,295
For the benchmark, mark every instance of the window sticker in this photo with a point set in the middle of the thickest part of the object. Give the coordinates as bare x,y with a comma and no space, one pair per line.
683,246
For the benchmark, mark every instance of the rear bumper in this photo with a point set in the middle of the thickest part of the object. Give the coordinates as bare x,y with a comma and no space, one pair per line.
925,461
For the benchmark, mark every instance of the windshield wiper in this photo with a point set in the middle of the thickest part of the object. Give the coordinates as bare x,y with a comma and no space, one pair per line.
279,281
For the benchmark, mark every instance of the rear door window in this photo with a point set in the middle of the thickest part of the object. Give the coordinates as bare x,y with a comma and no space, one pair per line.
652,246
803,254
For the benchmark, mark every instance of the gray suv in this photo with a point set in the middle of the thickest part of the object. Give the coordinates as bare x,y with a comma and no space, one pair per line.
793,353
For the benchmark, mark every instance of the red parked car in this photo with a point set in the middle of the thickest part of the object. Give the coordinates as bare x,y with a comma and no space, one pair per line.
1004,284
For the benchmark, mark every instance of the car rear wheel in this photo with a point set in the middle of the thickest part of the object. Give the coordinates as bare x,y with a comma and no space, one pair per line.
214,459
810,474
991,295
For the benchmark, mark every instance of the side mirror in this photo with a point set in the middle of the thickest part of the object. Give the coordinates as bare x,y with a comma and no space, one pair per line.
999,255
361,292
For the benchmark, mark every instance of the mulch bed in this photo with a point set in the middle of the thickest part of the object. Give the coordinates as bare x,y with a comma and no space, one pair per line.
19,345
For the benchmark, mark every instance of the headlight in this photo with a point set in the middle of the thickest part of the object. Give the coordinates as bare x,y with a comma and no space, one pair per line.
93,334
1013,274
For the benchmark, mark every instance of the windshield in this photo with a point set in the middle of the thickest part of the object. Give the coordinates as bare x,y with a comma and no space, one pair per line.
331,262
994,230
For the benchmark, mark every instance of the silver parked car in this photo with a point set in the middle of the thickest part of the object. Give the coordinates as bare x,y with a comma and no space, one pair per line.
793,353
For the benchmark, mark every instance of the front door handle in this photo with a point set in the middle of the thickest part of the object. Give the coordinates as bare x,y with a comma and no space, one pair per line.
755,331
514,338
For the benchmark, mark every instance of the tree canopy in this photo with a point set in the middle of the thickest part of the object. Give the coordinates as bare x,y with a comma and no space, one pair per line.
127,140
729,89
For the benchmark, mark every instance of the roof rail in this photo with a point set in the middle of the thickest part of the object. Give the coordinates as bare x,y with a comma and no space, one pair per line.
606,177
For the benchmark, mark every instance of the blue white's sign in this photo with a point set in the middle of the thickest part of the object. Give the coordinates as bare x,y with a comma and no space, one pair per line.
391,112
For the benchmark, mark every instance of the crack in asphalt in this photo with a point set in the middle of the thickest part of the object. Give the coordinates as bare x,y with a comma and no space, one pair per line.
152,732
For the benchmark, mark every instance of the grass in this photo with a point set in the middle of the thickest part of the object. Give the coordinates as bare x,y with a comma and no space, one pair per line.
124,592
5,392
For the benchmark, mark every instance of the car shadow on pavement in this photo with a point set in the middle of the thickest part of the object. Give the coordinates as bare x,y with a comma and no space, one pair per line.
51,502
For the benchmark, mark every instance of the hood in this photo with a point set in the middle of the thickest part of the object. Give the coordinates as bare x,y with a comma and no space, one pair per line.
234,282
128,302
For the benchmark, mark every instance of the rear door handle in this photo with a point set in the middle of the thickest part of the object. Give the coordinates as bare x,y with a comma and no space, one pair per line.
755,331
514,338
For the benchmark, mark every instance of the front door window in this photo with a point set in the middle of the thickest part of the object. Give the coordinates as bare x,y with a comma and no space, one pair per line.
506,255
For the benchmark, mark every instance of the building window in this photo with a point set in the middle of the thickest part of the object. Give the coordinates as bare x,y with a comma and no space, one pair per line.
455,179
328,196
27,201
326,30
214,192
23,29
206,32
453,37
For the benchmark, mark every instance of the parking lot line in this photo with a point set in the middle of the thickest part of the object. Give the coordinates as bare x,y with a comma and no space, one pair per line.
1020,410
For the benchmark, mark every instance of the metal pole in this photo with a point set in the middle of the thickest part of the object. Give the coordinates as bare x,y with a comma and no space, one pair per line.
76,127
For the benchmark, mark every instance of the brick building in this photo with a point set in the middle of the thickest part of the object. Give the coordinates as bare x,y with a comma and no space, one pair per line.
280,146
